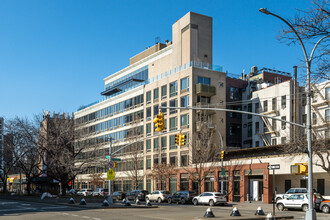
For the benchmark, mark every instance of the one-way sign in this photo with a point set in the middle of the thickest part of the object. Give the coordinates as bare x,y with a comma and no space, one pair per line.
273,167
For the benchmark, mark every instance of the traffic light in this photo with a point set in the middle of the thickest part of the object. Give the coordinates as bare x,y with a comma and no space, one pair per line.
159,122
299,169
222,154
177,139
182,139
115,165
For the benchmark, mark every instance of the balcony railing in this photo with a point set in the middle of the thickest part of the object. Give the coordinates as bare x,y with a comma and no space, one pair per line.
205,90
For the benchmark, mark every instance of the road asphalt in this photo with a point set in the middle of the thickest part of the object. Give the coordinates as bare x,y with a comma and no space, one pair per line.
24,210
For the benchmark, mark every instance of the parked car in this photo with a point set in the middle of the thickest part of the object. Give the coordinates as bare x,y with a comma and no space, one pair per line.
118,196
133,195
290,192
182,197
325,206
100,192
158,196
211,198
72,191
297,201
85,192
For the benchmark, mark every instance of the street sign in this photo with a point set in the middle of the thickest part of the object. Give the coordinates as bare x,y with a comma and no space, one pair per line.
273,167
115,159
111,164
111,174
223,171
304,177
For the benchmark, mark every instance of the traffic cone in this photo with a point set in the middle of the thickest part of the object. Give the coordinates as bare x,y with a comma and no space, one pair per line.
209,213
148,202
269,216
127,203
82,202
259,211
235,212
71,201
137,202
105,203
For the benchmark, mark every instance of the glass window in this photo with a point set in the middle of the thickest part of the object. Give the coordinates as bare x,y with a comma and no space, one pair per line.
266,106
250,110
173,88
173,160
283,124
173,123
274,104
156,110
173,103
148,143
156,143
184,120
274,122
164,143
185,84
156,93
203,80
148,128
164,104
283,103
257,127
148,97
149,112
256,107
327,93
164,92
148,164
250,129
327,115
172,142
185,101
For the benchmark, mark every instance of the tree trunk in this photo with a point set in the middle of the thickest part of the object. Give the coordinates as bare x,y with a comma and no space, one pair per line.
28,187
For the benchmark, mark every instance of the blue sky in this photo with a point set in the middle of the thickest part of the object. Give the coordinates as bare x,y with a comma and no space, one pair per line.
55,54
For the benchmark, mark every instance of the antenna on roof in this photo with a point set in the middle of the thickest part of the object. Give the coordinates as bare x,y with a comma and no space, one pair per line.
157,40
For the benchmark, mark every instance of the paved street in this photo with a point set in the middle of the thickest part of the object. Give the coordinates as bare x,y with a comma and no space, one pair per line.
10,209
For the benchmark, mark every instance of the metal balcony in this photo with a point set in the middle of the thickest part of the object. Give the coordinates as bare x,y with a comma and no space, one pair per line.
205,90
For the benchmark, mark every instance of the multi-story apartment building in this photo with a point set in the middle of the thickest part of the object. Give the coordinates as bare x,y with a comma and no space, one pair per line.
176,74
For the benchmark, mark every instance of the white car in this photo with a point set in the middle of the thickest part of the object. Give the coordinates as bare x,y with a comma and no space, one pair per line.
85,192
296,201
289,193
158,196
211,198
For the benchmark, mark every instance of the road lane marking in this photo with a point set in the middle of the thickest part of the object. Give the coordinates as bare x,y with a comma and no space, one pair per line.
85,217
74,215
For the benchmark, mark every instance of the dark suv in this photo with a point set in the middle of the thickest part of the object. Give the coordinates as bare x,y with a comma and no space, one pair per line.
133,195
181,197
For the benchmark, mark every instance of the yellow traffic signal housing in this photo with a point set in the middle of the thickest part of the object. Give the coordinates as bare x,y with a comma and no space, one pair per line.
299,169
115,165
182,139
222,154
177,139
159,122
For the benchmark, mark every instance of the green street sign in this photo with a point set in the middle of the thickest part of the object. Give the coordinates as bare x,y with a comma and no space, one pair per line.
115,159
223,171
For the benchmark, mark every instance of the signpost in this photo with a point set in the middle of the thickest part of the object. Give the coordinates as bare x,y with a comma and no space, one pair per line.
273,167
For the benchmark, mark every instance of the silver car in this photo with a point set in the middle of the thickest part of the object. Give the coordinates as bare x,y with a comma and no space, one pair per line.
84,192
211,198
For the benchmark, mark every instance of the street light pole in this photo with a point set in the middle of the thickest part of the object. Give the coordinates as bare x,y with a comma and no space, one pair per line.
310,214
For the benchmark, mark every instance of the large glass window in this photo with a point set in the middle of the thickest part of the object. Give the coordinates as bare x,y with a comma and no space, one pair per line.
185,84
149,112
185,101
274,105
184,120
327,93
156,93
148,163
184,182
164,143
164,92
327,115
156,143
156,110
236,186
172,142
173,123
148,143
173,88
249,110
173,103
148,97
203,80
266,106
283,101
148,129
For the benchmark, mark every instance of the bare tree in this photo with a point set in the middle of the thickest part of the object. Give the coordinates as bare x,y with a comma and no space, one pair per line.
65,151
96,178
134,153
312,25
204,151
